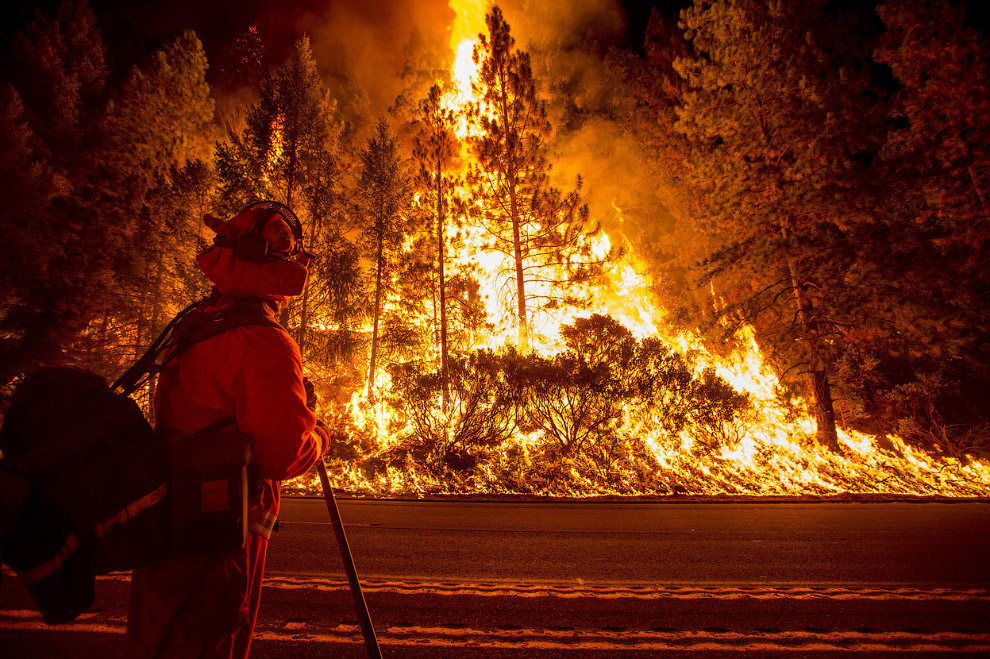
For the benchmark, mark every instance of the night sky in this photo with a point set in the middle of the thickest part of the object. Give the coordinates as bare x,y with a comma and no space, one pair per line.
133,28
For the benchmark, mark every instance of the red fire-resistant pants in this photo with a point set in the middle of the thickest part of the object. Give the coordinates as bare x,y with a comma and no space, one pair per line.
197,607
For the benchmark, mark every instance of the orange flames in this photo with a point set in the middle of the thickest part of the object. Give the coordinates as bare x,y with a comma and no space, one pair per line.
771,452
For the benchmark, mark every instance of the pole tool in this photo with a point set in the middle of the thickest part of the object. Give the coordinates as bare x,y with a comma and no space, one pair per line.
367,628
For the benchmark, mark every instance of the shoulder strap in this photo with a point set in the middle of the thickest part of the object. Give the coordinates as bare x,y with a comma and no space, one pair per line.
189,327
204,325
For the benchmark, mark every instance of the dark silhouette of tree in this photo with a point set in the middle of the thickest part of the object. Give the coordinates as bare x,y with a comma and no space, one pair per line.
59,69
384,198
944,67
780,113
925,377
59,256
247,67
30,240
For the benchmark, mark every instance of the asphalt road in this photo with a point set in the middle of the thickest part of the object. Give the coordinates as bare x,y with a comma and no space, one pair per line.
474,579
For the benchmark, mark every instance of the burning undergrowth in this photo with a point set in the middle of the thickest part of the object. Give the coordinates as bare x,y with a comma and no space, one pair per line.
611,414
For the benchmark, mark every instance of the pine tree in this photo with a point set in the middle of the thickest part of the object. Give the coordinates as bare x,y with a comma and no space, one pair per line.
57,75
159,122
384,199
944,67
289,137
248,66
939,145
926,380
780,114
28,239
435,151
288,153
544,233
156,140
59,69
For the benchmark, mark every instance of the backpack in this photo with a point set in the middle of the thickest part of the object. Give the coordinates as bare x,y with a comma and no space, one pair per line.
88,487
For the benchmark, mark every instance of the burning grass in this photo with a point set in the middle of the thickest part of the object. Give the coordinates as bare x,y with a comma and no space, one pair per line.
610,414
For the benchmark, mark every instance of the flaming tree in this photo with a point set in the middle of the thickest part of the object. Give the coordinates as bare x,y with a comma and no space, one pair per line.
287,152
436,146
544,233
383,190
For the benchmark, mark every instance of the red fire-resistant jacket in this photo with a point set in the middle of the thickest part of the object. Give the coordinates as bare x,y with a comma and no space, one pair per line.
253,373
206,605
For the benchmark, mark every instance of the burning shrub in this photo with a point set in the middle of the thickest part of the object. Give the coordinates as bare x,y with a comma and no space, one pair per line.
717,412
595,402
569,400
577,397
483,412
662,382
600,340
673,398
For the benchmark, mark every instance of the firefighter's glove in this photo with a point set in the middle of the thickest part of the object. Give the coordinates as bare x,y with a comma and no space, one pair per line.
326,433
311,397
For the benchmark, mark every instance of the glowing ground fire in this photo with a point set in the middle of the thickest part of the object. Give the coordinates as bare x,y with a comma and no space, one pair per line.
769,450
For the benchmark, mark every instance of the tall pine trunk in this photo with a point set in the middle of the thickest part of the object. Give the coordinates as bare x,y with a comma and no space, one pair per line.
821,390
289,185
378,306
156,322
520,283
302,334
444,376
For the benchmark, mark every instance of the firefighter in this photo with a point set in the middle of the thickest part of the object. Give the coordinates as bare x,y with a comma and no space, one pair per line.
206,605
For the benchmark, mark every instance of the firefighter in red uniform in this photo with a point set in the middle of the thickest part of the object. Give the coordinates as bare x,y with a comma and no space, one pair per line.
205,606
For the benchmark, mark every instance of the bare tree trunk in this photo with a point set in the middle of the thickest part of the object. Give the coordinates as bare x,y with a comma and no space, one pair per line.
520,284
155,322
826,432
301,334
283,314
980,193
289,184
374,333
444,377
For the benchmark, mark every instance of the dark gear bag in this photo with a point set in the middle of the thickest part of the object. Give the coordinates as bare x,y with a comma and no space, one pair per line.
96,479
103,489
209,486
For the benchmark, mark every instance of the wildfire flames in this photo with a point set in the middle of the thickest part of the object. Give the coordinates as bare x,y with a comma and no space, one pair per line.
770,450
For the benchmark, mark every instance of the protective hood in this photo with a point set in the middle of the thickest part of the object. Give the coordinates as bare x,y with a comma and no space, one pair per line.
236,276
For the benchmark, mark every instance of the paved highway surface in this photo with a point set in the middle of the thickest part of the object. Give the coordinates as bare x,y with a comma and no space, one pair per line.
474,579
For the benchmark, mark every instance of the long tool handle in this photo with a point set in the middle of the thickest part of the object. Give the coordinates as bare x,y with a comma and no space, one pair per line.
368,629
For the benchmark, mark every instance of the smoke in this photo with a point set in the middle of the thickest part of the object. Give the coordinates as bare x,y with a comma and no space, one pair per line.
572,46
566,23
363,48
